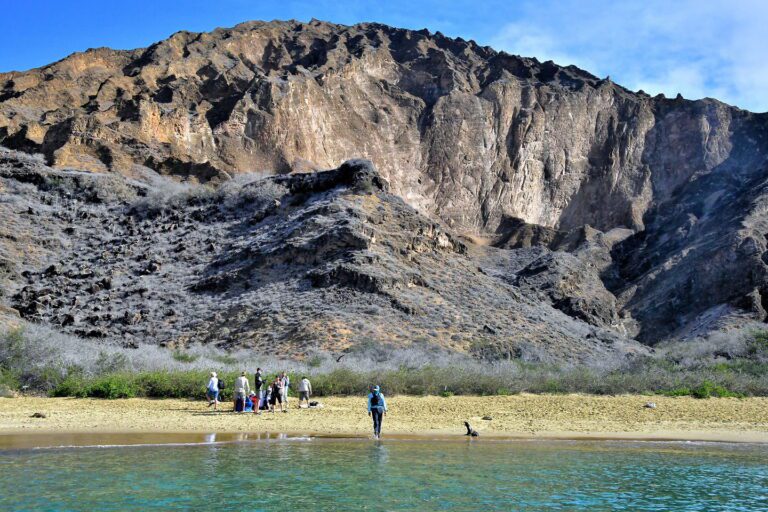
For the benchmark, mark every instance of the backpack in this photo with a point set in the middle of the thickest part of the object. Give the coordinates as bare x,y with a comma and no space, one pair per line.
221,384
375,400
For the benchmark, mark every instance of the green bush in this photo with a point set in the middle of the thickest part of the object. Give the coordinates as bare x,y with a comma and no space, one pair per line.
709,389
683,391
706,389
9,383
758,346
74,385
553,386
174,384
340,382
446,394
183,357
226,359
9,379
14,345
117,385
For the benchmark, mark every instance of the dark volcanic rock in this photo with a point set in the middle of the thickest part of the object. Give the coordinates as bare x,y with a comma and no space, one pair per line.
334,263
572,285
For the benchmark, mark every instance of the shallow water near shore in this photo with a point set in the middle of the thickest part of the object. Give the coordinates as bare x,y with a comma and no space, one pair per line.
233,472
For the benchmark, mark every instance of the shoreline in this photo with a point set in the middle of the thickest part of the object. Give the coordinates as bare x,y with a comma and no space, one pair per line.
64,440
521,417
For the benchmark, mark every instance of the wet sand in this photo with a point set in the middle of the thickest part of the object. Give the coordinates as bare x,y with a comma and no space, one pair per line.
522,416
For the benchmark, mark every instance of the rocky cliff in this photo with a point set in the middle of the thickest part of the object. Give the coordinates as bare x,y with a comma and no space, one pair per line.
289,265
642,215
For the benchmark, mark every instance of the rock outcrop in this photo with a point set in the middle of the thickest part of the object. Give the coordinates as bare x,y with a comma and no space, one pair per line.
461,131
292,264
667,194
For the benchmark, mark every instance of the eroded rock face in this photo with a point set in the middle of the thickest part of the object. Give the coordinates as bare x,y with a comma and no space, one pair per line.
647,215
466,133
288,264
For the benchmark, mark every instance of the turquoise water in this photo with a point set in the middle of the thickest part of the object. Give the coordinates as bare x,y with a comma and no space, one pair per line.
324,474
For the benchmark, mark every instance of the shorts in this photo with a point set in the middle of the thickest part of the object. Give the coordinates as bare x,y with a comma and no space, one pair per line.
304,395
239,395
212,395
276,397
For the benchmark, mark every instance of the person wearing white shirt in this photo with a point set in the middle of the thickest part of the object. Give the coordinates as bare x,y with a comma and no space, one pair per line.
305,391
212,391
242,390
286,384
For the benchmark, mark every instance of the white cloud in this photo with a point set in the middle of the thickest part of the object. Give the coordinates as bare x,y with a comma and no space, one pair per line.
532,41
698,48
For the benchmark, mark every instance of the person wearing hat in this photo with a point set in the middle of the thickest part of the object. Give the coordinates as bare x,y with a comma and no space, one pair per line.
377,408
212,392
242,390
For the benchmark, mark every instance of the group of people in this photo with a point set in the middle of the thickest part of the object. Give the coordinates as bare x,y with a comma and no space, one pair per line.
262,396
266,395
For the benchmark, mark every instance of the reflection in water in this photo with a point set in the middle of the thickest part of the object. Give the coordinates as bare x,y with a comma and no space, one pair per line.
334,475
379,453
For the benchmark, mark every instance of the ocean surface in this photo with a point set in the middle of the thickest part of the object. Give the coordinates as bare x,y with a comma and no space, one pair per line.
336,474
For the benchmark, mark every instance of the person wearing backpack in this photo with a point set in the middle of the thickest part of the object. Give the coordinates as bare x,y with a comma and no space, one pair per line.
258,385
221,386
377,408
212,391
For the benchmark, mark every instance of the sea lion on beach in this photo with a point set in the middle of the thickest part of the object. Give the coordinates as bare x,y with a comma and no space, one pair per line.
470,431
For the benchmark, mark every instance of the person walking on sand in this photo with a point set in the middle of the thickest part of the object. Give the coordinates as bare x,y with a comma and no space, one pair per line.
305,391
377,408
242,390
286,384
212,391
277,395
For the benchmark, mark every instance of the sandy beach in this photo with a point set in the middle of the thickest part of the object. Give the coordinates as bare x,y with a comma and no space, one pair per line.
523,416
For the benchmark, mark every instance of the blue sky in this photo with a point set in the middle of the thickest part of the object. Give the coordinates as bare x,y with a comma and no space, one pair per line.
696,47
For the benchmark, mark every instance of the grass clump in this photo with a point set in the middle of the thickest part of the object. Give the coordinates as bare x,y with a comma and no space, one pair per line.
184,357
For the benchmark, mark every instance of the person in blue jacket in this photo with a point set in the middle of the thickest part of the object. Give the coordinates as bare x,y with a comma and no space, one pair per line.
377,408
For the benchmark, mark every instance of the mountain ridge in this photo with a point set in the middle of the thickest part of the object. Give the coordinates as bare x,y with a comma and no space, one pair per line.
653,205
